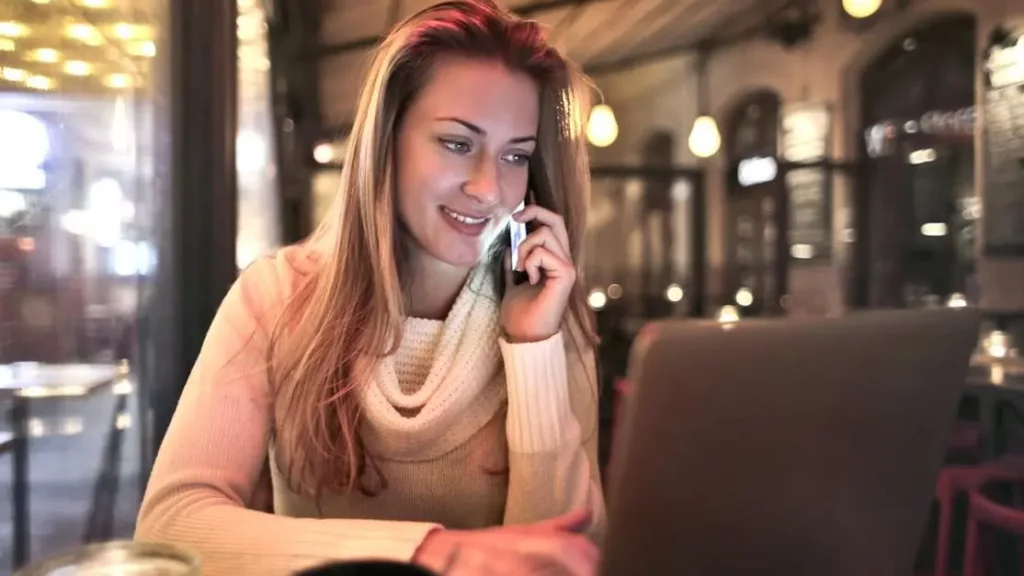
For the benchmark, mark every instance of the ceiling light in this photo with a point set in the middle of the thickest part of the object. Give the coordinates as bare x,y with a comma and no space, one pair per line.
124,31
77,68
85,33
146,49
95,3
117,81
705,139
47,55
13,74
13,29
40,83
602,128
41,1
7,45
861,8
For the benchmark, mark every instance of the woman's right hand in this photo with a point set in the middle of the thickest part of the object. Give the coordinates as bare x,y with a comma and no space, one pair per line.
553,547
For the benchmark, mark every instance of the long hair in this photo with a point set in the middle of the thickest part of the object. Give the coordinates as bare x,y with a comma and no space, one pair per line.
348,314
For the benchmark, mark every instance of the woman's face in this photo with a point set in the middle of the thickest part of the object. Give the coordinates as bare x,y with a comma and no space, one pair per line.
463,151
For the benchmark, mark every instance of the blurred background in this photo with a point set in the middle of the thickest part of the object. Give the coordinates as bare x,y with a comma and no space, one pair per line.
750,158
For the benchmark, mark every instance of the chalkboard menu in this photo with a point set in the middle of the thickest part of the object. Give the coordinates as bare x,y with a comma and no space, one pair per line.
1004,158
805,134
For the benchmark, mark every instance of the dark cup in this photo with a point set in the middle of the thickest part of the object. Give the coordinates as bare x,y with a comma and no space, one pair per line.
371,568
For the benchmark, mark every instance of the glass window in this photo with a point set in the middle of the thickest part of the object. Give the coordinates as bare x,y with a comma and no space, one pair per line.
639,258
917,207
259,213
79,94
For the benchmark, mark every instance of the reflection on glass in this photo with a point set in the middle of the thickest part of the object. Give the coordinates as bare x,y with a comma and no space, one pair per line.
77,241
638,251
259,224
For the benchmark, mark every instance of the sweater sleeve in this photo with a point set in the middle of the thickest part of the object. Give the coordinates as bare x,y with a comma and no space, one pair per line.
213,453
552,432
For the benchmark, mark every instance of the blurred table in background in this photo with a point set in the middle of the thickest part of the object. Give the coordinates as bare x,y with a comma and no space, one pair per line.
22,383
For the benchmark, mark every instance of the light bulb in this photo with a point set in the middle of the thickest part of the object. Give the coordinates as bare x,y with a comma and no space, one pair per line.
705,139
861,8
602,128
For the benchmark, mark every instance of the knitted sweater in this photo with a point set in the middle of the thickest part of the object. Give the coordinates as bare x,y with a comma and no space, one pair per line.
469,431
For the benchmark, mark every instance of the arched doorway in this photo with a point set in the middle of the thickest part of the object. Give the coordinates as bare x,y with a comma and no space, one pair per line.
916,206
757,210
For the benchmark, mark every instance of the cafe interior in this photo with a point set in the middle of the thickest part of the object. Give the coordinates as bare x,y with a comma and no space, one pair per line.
750,159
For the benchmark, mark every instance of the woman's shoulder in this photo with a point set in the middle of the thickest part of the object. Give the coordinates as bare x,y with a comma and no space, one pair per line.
264,287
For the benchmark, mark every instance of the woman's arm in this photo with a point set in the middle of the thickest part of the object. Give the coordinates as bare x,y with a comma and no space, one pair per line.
207,468
552,432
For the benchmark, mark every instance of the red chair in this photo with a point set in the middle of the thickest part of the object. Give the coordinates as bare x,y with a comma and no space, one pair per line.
984,512
954,480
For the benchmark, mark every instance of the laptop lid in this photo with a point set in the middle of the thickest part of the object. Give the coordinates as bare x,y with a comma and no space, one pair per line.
796,447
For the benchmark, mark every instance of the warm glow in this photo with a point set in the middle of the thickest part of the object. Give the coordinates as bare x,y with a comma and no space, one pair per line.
861,8
77,68
997,344
597,299
95,3
118,81
47,55
956,300
13,29
124,31
744,297
705,140
146,49
801,251
602,128
84,33
727,314
7,45
13,74
41,1
674,293
323,153
40,83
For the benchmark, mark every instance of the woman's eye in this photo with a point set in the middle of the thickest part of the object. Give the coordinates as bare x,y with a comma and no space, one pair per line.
456,146
517,159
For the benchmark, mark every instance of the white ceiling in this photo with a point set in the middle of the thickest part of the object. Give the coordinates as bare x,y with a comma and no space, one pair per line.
595,33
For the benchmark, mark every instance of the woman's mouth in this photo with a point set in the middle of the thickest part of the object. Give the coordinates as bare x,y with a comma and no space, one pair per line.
464,223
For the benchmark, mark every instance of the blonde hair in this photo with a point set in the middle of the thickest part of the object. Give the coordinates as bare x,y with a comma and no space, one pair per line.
349,313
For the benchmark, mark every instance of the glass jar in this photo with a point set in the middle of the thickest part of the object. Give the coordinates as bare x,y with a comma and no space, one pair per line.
118,559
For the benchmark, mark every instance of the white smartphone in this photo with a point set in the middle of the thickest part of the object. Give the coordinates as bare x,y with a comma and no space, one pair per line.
517,233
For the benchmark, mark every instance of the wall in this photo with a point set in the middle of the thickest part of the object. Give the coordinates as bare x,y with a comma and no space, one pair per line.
661,96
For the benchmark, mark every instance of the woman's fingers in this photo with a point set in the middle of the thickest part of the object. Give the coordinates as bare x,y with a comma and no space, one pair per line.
542,237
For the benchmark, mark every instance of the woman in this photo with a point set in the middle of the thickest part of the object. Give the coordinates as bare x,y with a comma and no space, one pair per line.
413,402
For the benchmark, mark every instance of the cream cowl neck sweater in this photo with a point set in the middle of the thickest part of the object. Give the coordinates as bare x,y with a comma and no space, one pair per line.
499,433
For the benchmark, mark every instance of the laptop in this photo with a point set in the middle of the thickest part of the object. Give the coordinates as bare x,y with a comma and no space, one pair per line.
797,447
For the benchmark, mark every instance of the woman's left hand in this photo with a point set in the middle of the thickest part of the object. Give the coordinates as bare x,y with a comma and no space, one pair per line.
533,310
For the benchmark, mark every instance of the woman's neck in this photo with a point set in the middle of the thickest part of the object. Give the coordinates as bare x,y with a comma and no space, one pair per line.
433,287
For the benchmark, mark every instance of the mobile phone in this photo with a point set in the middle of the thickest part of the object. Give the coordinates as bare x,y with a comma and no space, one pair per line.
517,233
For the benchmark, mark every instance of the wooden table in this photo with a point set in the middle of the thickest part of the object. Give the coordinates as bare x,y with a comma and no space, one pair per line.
21,383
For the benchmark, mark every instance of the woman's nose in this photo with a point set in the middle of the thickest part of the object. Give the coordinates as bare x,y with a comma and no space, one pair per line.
483,184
